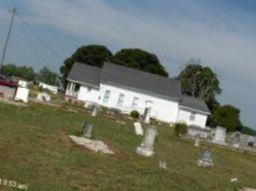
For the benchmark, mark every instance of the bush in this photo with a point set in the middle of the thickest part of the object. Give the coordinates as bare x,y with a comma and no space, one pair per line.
135,114
180,129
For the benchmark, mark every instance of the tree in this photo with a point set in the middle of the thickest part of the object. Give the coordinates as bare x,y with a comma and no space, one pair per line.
248,131
200,82
23,72
139,59
94,55
47,76
26,73
227,116
10,70
180,129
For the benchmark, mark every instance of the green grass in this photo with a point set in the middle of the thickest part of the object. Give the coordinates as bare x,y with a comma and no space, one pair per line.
35,150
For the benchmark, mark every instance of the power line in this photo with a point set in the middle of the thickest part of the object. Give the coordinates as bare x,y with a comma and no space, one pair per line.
7,38
41,42
33,35
36,52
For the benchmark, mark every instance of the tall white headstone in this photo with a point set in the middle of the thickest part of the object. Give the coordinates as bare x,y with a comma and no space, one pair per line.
147,146
146,117
220,136
236,140
94,111
138,128
22,94
197,141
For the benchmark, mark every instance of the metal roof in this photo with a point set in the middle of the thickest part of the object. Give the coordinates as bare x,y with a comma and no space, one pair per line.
112,73
84,73
194,104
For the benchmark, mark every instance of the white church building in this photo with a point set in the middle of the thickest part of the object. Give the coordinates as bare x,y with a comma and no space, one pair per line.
126,89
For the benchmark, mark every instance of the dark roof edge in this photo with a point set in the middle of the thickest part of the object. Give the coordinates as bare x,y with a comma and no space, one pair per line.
193,109
83,83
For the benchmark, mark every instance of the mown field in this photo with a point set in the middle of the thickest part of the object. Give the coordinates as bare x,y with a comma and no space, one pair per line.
35,150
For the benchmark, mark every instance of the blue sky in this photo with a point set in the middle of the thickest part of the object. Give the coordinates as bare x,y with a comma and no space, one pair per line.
222,33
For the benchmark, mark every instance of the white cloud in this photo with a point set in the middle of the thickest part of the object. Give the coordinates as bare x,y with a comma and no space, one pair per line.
179,37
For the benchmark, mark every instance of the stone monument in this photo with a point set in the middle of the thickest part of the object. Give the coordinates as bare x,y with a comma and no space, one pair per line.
197,141
236,140
163,165
94,110
220,136
251,141
87,130
146,115
147,146
43,97
206,159
138,128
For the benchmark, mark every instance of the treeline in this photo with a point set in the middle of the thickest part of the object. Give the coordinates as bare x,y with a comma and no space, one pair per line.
196,80
27,73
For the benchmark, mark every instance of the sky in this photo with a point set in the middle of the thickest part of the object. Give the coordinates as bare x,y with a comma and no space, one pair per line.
222,33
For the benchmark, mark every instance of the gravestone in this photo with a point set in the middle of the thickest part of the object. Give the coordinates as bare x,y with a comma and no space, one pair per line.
22,94
87,130
236,140
147,146
92,145
146,115
94,110
163,165
251,141
43,97
220,136
206,159
197,141
138,128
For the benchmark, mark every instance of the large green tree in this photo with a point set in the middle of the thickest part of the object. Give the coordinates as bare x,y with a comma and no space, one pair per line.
201,82
94,55
47,76
139,59
23,72
227,116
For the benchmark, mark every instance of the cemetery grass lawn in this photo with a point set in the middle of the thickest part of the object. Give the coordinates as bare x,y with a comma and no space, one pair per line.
35,150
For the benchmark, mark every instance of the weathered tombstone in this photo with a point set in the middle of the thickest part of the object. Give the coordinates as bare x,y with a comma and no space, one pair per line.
146,115
87,130
138,128
43,97
197,141
22,94
163,165
236,141
92,145
233,180
23,83
147,146
94,110
206,159
251,142
220,136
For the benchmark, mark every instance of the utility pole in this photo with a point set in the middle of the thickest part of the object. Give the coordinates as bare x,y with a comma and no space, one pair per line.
7,38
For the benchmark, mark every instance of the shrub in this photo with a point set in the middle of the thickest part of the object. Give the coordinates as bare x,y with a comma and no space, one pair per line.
134,114
180,129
